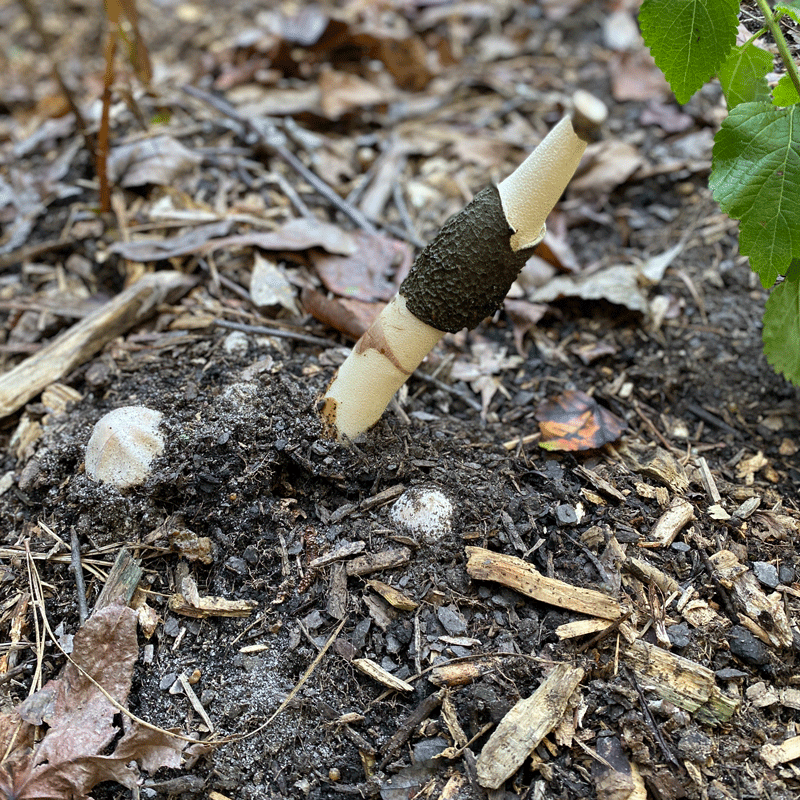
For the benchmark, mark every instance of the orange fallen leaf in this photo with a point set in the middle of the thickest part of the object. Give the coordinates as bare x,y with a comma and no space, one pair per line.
575,421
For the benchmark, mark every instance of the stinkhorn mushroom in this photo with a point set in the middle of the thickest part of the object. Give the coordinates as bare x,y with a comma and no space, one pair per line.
461,277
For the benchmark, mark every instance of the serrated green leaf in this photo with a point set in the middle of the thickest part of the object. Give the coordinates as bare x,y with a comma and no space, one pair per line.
689,39
755,177
792,9
781,333
785,92
743,76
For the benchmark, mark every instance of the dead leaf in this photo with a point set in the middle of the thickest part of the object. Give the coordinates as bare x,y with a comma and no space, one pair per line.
83,723
635,76
575,421
606,165
618,284
524,316
158,161
269,286
371,272
297,234
350,317
342,92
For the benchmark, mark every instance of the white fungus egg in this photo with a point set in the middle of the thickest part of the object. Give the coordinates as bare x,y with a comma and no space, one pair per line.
424,511
123,445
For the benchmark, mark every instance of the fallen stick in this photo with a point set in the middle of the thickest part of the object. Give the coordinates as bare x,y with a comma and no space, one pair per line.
486,565
87,337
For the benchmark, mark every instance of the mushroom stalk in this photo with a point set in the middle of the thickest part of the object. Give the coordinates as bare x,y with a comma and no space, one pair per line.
461,277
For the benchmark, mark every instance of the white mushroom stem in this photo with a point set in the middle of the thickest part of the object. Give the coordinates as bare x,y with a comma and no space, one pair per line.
461,277
531,191
379,364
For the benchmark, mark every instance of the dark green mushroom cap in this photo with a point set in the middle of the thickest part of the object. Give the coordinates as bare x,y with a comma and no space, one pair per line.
464,274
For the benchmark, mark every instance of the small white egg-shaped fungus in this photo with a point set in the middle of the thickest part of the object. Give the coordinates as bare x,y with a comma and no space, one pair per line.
122,446
424,511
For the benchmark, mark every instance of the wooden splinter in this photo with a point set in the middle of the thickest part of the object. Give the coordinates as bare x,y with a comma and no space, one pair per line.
461,277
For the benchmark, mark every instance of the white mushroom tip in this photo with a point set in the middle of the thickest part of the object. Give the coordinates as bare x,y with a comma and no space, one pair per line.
424,511
588,114
123,445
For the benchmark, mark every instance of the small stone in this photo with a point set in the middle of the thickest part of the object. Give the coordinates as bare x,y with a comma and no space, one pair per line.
566,515
786,574
453,622
679,635
165,684
237,565
746,647
730,674
766,573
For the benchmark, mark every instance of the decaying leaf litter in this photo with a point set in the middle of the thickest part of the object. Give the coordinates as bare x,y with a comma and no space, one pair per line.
631,610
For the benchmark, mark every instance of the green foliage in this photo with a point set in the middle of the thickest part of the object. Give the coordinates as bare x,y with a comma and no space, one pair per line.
781,334
792,9
755,177
755,170
689,39
785,92
743,76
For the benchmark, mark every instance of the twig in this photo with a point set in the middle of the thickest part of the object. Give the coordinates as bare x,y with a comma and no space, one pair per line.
287,155
283,334
32,252
651,721
77,570
439,384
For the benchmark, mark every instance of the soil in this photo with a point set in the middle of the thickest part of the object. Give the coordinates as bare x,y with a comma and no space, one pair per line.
246,466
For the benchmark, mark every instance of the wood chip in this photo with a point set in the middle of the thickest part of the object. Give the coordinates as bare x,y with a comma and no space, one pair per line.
683,682
462,672
708,481
665,467
378,673
517,574
670,523
766,613
392,596
375,562
190,604
647,573
341,551
524,727
788,750
601,484
582,627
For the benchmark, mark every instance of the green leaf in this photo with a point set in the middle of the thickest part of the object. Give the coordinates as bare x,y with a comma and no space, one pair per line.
755,177
744,75
689,39
785,92
792,9
781,333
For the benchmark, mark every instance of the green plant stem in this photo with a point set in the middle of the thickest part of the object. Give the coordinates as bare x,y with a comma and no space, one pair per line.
783,48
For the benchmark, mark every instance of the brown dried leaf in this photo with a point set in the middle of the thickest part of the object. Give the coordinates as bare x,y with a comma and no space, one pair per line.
342,92
297,234
370,272
67,762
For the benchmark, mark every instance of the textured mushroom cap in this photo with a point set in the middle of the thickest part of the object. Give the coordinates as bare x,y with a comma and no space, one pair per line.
122,446
425,511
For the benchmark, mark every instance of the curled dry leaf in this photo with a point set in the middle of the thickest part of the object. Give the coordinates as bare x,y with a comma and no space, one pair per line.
575,421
